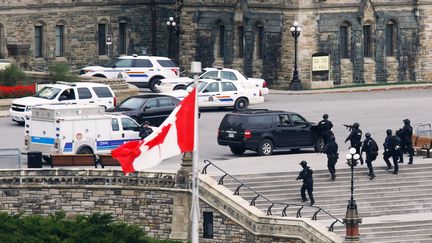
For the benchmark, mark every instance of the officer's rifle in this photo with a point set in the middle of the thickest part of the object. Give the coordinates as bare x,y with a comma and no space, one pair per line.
349,127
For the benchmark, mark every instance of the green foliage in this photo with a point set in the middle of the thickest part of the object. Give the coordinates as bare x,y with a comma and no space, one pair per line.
60,72
57,228
11,75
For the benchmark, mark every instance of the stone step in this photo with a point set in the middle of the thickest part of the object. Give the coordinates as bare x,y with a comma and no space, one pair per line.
357,170
380,176
403,236
338,187
358,193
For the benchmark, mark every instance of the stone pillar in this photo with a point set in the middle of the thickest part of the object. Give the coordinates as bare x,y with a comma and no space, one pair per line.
182,201
352,221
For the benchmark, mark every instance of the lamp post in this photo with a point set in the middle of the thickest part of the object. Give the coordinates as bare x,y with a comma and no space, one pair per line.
352,219
171,24
295,82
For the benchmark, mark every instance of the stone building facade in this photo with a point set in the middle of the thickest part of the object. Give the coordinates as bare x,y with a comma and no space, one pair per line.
366,41
75,31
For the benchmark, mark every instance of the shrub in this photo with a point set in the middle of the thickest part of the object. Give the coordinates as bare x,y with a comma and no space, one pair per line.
60,72
11,75
57,228
16,91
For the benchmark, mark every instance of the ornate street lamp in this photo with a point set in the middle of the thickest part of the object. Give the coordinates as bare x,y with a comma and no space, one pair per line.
352,219
171,24
295,82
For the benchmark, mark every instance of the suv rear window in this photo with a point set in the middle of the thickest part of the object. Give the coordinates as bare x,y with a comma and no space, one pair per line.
102,92
166,63
260,122
233,121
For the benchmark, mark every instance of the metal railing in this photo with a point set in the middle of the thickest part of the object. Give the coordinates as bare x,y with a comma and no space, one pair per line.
271,203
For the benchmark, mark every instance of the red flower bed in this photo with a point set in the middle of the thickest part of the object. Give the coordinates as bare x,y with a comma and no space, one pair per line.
16,91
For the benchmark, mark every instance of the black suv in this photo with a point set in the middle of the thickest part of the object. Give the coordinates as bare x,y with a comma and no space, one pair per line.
263,131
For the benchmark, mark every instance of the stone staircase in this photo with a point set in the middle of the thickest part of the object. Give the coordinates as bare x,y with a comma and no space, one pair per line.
394,208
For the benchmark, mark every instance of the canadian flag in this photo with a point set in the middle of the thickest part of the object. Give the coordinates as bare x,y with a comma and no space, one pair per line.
174,136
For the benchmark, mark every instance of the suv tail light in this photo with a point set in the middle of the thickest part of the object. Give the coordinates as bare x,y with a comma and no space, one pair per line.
260,94
247,134
115,101
264,84
176,71
218,132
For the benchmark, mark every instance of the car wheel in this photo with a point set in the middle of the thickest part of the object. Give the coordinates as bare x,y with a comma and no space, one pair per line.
178,87
319,145
85,150
241,104
152,84
237,150
265,148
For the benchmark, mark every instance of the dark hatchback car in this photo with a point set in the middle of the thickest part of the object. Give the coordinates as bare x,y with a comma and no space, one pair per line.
154,108
264,131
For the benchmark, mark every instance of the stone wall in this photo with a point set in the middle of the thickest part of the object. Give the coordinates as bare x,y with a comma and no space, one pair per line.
152,201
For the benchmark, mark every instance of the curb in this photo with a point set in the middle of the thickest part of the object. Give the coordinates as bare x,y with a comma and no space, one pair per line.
355,89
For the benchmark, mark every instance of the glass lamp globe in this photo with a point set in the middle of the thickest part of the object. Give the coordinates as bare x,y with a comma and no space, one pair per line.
296,23
356,156
173,24
348,156
292,29
171,19
299,29
352,151
168,23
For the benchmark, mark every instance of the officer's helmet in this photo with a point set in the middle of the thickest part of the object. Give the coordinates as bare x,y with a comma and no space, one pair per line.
356,125
407,121
325,116
389,132
303,163
367,135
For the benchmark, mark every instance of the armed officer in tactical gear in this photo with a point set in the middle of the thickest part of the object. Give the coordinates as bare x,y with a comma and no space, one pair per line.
355,138
391,150
306,176
331,150
324,128
370,147
406,133
145,130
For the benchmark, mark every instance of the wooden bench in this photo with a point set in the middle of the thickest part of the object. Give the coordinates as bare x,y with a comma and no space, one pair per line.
74,160
107,160
423,143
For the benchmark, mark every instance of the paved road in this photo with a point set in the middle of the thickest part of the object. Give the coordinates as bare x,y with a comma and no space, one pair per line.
375,111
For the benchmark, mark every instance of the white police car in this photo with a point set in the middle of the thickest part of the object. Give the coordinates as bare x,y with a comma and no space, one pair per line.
213,93
141,71
225,74
63,93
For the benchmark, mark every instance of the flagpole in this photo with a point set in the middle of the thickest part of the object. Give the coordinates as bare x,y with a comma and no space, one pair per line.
195,70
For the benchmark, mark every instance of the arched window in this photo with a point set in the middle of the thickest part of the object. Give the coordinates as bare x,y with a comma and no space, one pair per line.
221,51
259,41
102,32
391,38
60,39
39,40
122,46
344,40
368,40
240,41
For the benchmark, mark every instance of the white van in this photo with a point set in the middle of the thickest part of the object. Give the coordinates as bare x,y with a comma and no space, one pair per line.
63,92
77,129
